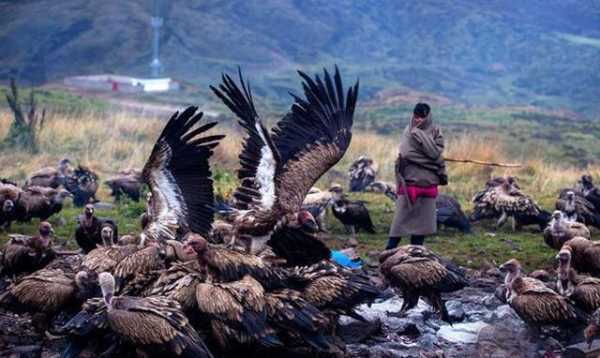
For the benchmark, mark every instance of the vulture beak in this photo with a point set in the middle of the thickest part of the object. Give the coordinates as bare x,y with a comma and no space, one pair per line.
589,333
188,249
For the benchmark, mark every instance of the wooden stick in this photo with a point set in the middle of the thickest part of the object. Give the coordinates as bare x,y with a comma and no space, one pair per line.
481,162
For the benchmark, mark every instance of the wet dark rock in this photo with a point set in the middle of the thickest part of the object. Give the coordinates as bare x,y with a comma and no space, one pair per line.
501,293
408,329
353,331
428,341
455,311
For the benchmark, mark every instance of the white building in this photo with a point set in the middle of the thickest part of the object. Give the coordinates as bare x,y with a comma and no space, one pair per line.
124,84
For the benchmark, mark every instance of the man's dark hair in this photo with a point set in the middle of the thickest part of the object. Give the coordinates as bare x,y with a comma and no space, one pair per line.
421,110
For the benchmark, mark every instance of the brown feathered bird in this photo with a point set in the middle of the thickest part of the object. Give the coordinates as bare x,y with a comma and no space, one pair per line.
583,290
88,233
28,254
279,168
560,231
179,283
419,272
179,177
128,183
48,292
333,289
503,200
52,177
226,265
585,255
40,202
106,257
155,325
297,321
83,184
9,196
237,312
575,207
535,303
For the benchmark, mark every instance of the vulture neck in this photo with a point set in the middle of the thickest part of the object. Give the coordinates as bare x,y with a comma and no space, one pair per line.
565,282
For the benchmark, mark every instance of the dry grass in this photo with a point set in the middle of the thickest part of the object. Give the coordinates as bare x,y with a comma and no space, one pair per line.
111,142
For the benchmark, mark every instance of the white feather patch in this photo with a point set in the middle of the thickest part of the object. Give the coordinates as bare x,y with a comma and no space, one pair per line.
265,172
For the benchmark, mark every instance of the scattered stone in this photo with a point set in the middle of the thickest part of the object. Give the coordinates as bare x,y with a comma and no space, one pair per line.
455,311
461,332
428,341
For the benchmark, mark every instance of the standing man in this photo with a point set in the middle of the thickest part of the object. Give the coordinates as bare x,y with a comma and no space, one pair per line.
420,168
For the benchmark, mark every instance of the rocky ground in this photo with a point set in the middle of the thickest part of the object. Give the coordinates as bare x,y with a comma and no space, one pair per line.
483,327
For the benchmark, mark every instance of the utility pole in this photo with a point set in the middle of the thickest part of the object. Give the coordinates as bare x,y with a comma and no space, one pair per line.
156,22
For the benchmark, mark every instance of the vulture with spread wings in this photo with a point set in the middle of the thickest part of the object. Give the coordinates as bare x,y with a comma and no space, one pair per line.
179,177
279,168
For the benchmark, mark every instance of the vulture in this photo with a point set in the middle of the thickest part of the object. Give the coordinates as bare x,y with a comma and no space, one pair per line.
48,292
585,255
316,203
537,304
237,312
333,289
362,173
179,178
40,202
154,325
279,168
83,184
297,322
89,227
222,232
106,257
51,177
353,214
589,190
591,331
384,188
583,291
9,197
450,214
576,207
128,183
137,265
542,219
27,254
226,265
178,283
504,200
419,272
560,231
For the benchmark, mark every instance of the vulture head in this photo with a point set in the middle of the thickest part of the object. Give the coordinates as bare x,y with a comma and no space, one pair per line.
8,206
87,283
512,268
564,265
587,182
45,229
107,286
593,328
60,197
305,221
557,221
196,245
174,251
107,234
89,211
337,192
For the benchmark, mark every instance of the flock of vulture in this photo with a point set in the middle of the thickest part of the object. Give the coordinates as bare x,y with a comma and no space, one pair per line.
257,278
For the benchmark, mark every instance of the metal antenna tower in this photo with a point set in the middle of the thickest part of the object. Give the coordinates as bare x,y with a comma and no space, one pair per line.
156,22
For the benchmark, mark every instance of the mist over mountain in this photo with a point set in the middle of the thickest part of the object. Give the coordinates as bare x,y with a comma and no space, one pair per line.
537,52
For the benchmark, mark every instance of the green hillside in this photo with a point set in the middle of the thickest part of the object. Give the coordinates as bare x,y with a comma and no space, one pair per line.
541,53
